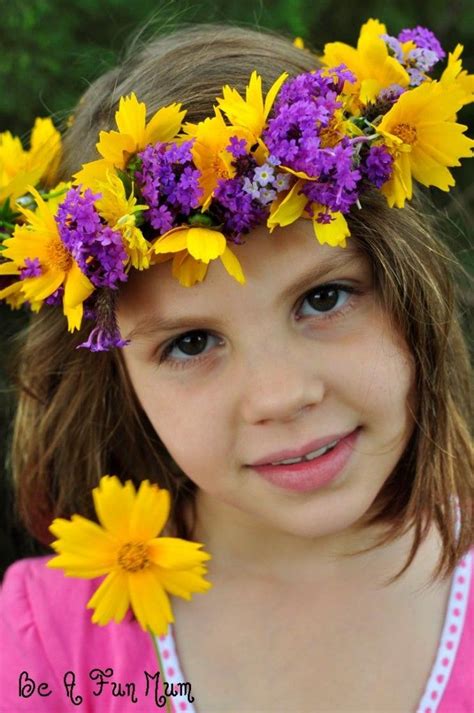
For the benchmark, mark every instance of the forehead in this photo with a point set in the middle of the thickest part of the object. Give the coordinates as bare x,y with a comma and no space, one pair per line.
271,264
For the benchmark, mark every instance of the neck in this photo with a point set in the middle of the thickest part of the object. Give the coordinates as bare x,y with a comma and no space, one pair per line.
243,546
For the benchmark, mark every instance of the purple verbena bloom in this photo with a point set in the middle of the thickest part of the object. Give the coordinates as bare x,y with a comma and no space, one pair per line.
97,249
102,339
237,147
32,268
422,37
336,186
422,59
324,218
169,182
378,165
416,77
391,93
394,47
237,209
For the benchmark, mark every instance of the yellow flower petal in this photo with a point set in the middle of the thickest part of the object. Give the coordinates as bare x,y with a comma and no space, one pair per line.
150,511
174,553
184,583
77,287
165,124
130,119
288,208
333,233
187,270
149,601
113,503
111,600
39,288
204,244
232,265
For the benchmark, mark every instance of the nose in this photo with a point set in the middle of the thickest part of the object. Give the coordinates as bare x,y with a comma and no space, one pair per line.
280,384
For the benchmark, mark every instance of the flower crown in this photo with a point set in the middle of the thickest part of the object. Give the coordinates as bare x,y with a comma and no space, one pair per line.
371,118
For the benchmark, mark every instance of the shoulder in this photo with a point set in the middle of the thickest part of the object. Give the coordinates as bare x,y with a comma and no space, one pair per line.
29,585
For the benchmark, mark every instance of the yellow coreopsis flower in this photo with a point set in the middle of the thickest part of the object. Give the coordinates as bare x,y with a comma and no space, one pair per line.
20,168
39,242
133,135
209,151
141,568
252,112
423,139
193,248
120,212
288,208
371,62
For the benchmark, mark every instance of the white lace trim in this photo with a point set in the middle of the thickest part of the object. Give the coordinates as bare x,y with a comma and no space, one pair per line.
180,702
450,637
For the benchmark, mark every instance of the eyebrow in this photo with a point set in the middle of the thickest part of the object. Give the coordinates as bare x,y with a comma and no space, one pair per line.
151,325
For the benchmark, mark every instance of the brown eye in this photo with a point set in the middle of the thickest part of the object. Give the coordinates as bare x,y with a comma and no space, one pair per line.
324,298
192,344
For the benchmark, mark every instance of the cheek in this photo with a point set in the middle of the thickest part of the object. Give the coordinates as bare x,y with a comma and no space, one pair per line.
382,374
185,421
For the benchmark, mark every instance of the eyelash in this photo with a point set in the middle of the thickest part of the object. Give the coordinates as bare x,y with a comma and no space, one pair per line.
194,360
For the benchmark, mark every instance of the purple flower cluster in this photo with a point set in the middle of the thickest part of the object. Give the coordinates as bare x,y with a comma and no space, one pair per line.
97,249
377,166
236,208
423,38
102,339
169,183
337,182
305,106
419,60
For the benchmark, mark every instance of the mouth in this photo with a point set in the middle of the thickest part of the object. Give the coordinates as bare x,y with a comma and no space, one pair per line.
314,470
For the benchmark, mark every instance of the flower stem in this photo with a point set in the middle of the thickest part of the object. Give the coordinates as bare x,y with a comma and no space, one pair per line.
162,671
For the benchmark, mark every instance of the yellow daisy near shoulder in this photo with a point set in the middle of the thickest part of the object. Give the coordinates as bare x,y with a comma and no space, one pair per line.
141,568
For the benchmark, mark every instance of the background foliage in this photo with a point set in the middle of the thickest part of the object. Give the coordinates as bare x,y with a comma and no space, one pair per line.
51,50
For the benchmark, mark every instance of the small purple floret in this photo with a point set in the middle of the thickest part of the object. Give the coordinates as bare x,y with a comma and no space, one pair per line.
102,340
378,165
422,37
32,268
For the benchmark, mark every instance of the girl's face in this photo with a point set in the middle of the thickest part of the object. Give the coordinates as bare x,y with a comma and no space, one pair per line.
268,366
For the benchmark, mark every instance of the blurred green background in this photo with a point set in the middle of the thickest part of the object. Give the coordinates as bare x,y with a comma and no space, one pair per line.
51,50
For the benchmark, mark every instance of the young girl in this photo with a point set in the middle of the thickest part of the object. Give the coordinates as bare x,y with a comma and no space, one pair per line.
342,582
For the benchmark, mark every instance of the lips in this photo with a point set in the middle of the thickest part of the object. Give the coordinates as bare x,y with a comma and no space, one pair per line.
302,451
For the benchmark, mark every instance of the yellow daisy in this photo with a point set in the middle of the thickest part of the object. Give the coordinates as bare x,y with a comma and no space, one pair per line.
252,112
423,139
133,135
141,568
371,62
209,151
19,168
289,207
38,239
193,248
121,214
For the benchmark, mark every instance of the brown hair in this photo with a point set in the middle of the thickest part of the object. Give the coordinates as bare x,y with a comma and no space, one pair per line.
78,417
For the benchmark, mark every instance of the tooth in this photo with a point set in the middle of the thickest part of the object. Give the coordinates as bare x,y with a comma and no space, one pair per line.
308,456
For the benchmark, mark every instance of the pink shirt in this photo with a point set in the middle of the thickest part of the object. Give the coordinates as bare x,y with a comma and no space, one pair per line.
45,632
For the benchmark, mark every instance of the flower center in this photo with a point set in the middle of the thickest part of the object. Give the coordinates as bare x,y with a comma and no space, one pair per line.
405,132
133,556
58,257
